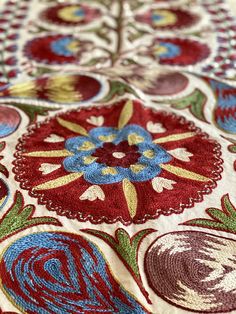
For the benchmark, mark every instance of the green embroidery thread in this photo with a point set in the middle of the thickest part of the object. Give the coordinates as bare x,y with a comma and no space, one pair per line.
20,217
32,111
118,88
126,248
195,102
223,220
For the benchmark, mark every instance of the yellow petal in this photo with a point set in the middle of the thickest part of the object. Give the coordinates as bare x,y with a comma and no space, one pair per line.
149,153
61,89
134,139
27,90
109,170
166,16
68,14
160,50
74,127
125,114
61,181
137,168
89,160
86,146
130,196
107,138
174,137
50,153
183,173
73,46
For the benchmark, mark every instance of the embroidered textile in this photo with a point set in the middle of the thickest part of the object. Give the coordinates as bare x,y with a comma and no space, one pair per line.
117,156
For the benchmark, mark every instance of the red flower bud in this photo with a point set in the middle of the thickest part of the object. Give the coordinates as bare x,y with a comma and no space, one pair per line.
12,74
11,61
11,48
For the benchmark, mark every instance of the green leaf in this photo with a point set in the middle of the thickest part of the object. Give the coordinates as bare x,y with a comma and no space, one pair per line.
42,70
32,111
118,88
228,206
93,61
203,223
26,213
38,29
104,31
139,236
126,248
136,35
195,102
102,235
18,218
217,215
224,220
232,148
135,4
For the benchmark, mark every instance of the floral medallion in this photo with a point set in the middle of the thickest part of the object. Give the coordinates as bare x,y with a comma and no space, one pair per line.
56,49
120,163
9,120
179,51
168,19
70,14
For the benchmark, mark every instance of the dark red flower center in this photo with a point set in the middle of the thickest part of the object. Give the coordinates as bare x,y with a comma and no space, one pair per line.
120,155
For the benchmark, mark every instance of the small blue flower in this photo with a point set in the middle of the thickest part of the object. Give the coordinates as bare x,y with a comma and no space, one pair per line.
61,46
170,50
94,154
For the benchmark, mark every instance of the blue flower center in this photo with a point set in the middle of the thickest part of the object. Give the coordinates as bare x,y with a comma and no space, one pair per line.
166,50
66,46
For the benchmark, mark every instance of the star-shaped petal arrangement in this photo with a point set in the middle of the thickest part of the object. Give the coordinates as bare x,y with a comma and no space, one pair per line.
119,171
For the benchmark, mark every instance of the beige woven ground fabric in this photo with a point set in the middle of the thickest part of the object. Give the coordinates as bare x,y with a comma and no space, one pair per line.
117,156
